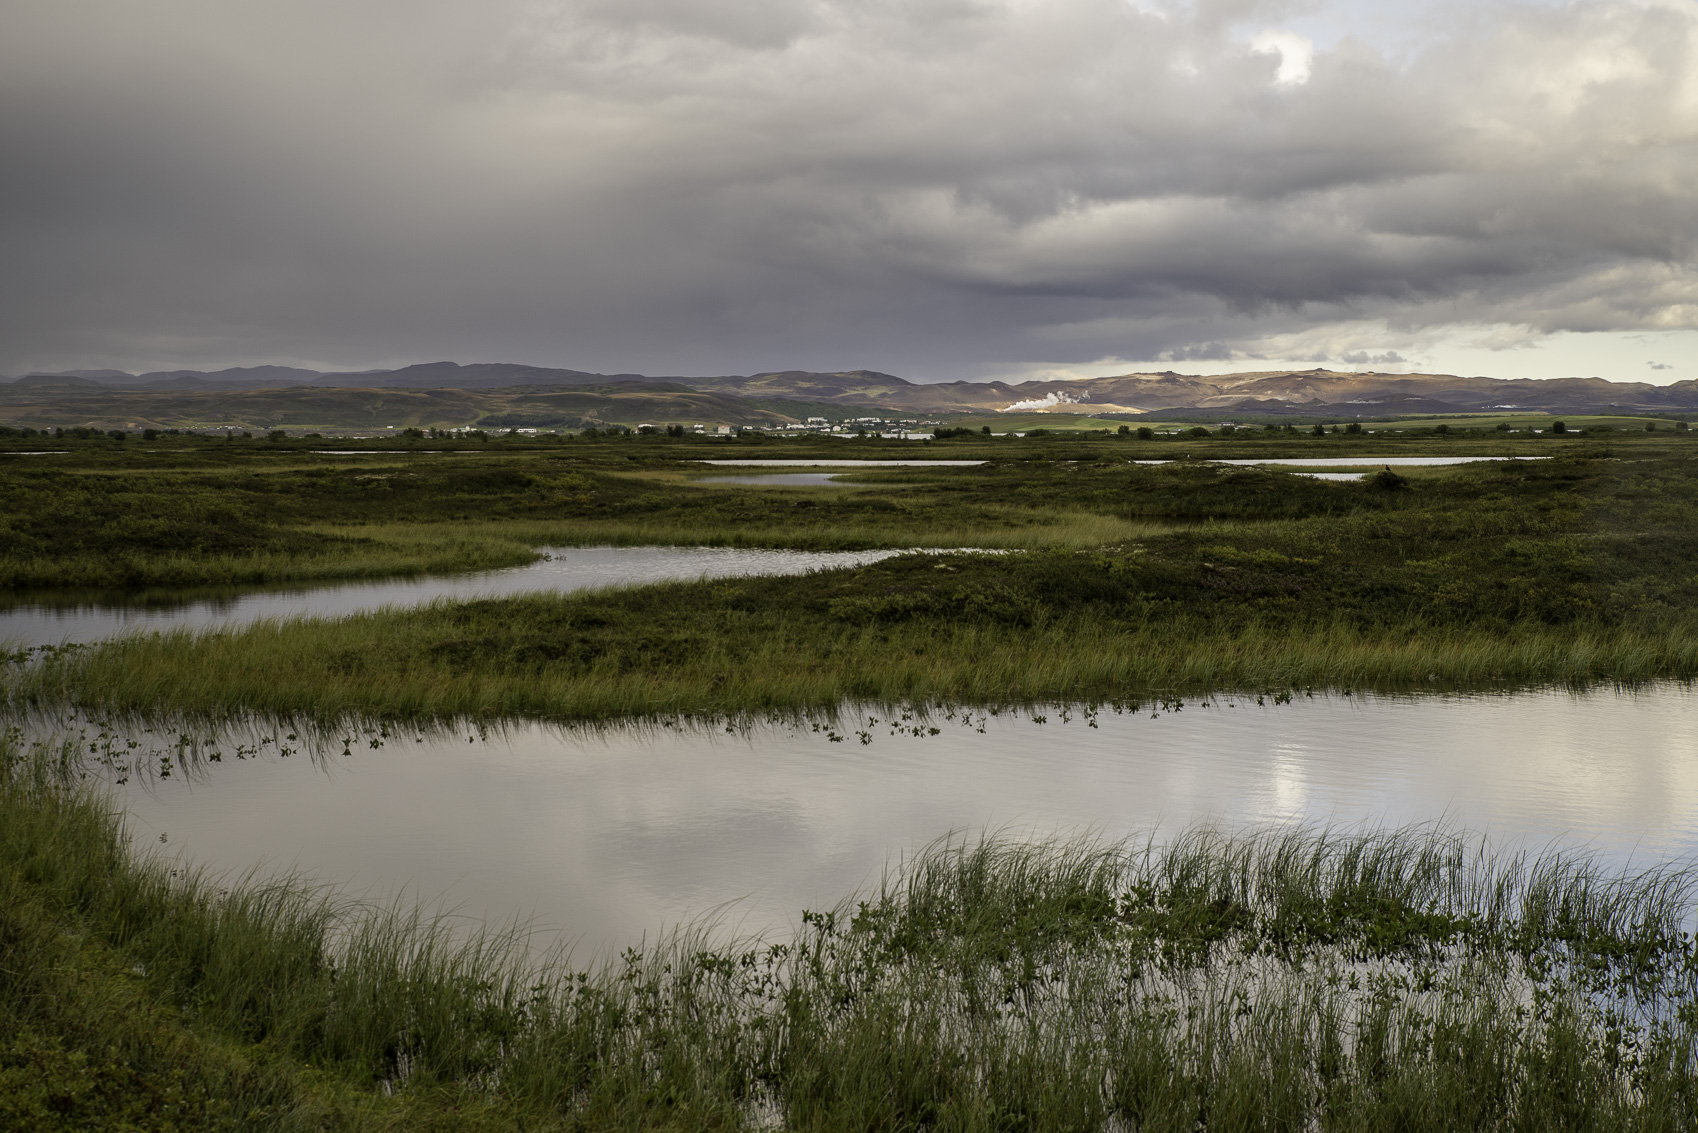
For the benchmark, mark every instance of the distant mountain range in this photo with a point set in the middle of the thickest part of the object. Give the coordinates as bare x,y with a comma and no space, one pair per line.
510,391
428,375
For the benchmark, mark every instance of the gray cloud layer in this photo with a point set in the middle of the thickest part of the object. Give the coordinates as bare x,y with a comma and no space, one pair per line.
926,186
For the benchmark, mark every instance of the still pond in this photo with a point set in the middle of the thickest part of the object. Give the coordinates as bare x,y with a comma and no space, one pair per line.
601,836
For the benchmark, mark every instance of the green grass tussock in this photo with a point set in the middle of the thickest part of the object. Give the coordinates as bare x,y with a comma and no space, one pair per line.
303,671
1285,978
736,647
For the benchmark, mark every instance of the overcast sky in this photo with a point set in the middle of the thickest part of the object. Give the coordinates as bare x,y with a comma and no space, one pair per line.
936,188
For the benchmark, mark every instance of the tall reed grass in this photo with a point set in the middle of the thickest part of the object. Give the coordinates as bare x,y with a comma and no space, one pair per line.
1415,978
494,660
343,554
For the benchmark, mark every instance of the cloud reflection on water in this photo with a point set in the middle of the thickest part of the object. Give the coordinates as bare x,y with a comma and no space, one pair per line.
609,835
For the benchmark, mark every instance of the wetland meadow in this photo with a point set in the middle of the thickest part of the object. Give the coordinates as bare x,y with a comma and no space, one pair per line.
1053,782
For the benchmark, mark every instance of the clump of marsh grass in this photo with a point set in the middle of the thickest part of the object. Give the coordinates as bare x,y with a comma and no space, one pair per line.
612,657
1289,977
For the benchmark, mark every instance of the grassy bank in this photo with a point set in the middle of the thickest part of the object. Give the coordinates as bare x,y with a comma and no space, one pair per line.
110,522
1413,979
548,658
1495,576
181,511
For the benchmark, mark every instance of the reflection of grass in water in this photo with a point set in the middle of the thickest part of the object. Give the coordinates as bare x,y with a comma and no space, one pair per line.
1410,978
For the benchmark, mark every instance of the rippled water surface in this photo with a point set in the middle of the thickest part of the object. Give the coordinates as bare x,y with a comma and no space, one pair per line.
564,569
606,836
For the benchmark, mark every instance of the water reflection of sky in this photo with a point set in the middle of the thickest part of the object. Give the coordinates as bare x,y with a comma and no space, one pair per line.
782,480
606,837
564,569
1355,461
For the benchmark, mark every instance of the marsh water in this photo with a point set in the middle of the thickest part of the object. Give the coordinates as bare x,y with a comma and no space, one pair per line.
784,480
560,570
1302,467
1383,461
1356,461
602,836
843,463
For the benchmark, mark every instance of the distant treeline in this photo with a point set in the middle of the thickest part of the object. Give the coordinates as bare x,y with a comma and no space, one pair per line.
81,433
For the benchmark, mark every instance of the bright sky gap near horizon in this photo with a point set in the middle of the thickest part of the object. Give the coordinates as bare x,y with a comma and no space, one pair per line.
940,189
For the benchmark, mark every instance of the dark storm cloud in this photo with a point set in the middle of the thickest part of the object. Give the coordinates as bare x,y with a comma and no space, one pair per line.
923,186
1200,352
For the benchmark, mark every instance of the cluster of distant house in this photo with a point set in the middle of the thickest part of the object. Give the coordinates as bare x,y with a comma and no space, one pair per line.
851,426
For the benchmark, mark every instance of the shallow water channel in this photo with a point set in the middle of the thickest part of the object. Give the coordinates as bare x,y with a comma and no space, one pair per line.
785,480
603,836
812,463
563,569
1367,461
